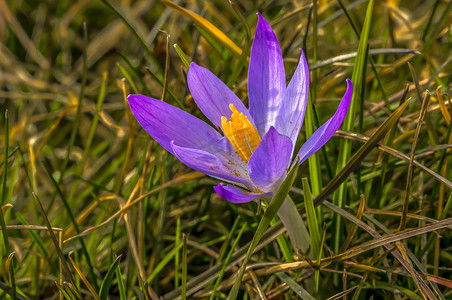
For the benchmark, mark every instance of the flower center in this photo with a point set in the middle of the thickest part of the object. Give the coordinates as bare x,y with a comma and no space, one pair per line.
241,133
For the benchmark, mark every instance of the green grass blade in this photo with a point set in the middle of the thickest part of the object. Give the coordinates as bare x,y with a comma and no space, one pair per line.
74,223
313,224
105,287
269,214
2,218
183,57
143,43
313,160
121,285
349,122
226,262
128,77
136,74
298,289
163,263
359,156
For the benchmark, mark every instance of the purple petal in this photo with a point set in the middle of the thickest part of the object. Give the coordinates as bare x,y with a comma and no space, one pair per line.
212,165
212,96
293,107
269,162
327,130
266,78
166,123
237,195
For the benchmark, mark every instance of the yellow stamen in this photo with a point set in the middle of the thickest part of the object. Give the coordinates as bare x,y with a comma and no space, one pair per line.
241,133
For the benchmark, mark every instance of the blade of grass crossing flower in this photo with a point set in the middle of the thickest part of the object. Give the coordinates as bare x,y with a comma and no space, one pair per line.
183,57
105,287
2,218
213,31
345,149
269,214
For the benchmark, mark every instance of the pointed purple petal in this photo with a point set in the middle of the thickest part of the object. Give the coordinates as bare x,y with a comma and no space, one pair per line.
166,123
293,107
269,162
266,78
211,165
327,130
212,96
237,195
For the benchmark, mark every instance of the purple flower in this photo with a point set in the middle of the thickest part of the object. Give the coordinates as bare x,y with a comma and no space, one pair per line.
254,148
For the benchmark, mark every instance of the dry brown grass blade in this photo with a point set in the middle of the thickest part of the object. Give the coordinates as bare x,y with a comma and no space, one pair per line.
257,285
206,25
343,293
398,214
83,278
8,264
31,227
440,280
179,180
376,235
359,214
5,208
22,36
442,105
395,153
377,242
391,238
425,103
362,266
54,240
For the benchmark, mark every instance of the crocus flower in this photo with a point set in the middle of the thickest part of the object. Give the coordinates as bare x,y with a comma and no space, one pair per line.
251,150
